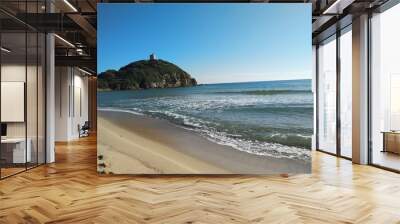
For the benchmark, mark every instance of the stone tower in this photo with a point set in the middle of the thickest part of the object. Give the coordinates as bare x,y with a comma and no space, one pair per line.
153,57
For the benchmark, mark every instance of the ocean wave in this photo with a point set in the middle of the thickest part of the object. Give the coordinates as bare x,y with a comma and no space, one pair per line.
257,147
303,109
220,103
235,141
179,118
267,92
113,109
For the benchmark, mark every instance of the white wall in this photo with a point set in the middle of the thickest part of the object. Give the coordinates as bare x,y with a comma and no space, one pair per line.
17,73
80,110
62,82
71,94
13,72
13,101
10,73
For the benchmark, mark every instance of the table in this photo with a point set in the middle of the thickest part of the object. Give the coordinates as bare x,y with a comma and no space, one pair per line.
391,141
19,155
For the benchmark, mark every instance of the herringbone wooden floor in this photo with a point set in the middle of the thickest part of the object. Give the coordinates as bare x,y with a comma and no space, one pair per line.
70,191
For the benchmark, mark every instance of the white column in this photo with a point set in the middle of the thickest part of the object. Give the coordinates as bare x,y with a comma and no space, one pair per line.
360,90
50,99
314,90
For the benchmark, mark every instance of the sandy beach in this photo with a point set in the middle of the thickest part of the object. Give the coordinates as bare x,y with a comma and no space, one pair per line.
136,144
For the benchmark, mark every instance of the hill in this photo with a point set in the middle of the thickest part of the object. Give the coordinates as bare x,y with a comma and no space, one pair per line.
145,74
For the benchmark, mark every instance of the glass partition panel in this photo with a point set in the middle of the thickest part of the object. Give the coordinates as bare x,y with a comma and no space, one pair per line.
385,89
14,153
22,88
31,98
41,98
346,93
327,96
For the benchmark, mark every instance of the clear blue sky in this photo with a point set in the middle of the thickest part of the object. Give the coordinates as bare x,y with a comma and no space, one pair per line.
213,42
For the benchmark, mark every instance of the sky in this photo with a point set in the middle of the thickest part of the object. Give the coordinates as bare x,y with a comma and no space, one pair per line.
215,43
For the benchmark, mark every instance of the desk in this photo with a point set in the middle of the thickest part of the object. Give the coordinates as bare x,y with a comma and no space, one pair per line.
18,150
391,141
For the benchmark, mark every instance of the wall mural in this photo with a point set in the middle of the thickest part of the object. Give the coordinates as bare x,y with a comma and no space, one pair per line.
204,88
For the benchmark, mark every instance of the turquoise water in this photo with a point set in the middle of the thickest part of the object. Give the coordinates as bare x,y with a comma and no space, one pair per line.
273,118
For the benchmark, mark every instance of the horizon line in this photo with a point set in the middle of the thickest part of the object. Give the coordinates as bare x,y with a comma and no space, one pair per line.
273,80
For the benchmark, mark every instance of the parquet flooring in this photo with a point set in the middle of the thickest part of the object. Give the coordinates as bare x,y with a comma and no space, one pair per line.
70,191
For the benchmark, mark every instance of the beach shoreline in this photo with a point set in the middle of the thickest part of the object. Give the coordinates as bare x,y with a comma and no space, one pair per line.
137,144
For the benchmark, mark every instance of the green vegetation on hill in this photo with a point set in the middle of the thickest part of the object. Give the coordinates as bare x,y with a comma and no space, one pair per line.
145,74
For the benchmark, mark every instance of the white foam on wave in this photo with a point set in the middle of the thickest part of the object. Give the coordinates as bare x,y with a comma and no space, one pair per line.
215,103
112,109
254,147
304,136
259,148
186,120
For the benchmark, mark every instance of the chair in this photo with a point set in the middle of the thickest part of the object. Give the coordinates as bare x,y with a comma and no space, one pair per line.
84,130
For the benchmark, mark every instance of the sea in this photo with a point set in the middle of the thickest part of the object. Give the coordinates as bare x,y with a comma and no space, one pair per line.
267,118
